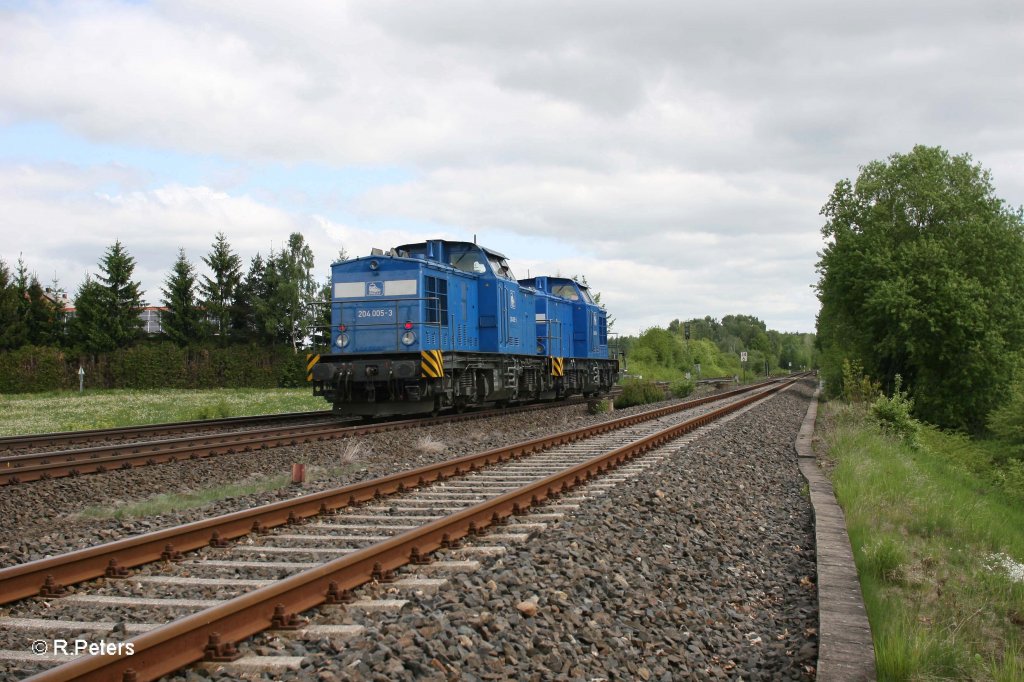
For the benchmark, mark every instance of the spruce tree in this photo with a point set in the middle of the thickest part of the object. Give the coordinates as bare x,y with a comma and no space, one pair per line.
87,330
43,318
107,308
12,326
219,292
182,322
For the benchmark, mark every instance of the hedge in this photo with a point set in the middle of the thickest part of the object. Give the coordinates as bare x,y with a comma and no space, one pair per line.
151,365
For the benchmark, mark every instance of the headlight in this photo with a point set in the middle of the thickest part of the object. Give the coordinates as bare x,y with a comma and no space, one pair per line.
341,341
409,338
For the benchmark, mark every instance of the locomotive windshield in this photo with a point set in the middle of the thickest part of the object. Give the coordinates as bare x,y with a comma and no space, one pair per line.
467,260
566,291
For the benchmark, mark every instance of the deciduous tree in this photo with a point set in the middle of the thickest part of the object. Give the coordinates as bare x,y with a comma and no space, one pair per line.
923,276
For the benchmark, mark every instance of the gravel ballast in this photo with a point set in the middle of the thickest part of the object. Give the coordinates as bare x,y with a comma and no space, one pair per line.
44,518
703,569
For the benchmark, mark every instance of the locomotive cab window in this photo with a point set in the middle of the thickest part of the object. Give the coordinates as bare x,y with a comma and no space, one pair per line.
468,260
566,291
436,292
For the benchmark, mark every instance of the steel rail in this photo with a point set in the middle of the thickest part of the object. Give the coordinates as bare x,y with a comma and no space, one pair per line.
99,459
179,643
48,576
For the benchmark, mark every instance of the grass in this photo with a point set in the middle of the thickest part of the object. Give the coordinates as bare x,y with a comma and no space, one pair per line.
169,503
97,409
177,502
928,527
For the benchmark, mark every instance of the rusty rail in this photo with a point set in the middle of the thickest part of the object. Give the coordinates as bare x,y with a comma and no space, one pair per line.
177,644
58,464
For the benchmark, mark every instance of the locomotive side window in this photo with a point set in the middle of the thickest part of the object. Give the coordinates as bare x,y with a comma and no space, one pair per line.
501,267
437,300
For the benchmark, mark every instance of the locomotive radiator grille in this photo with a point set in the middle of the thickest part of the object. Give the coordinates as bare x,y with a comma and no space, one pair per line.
431,364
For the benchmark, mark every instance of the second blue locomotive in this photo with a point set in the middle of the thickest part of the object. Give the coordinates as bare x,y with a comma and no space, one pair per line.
445,325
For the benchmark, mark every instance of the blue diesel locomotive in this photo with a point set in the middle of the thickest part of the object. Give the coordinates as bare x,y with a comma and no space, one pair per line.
445,325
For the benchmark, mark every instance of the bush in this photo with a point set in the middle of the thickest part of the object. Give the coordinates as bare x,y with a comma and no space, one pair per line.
681,389
1011,478
857,386
639,392
893,415
1007,420
152,364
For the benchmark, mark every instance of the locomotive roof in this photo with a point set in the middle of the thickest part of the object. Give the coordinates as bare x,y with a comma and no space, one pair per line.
492,252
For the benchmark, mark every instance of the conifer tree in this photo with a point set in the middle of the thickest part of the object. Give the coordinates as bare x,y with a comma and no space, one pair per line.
107,308
182,322
245,319
12,330
219,292
86,330
43,318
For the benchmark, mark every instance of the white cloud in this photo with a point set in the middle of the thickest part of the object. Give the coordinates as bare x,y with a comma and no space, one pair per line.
678,139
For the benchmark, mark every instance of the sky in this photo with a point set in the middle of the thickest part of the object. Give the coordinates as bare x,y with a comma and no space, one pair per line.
676,154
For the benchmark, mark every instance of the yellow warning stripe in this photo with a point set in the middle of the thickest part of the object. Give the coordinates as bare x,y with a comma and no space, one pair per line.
557,367
431,364
311,360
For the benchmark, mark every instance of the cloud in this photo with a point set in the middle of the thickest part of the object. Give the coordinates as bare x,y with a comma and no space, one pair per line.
590,208
676,139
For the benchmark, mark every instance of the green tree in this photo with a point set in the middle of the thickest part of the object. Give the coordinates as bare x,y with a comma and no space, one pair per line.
922,276
43,317
246,318
87,329
219,292
107,308
12,326
183,321
40,317
290,311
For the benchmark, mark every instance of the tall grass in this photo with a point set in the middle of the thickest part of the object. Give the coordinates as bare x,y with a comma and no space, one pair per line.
925,523
97,409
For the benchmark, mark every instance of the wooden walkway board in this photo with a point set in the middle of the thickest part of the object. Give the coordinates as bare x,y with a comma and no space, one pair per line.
845,649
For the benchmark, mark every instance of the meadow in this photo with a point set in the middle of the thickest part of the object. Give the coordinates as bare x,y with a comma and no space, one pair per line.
938,538
97,409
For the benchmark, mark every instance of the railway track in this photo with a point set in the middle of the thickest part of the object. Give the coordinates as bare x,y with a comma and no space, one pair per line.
36,466
328,543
